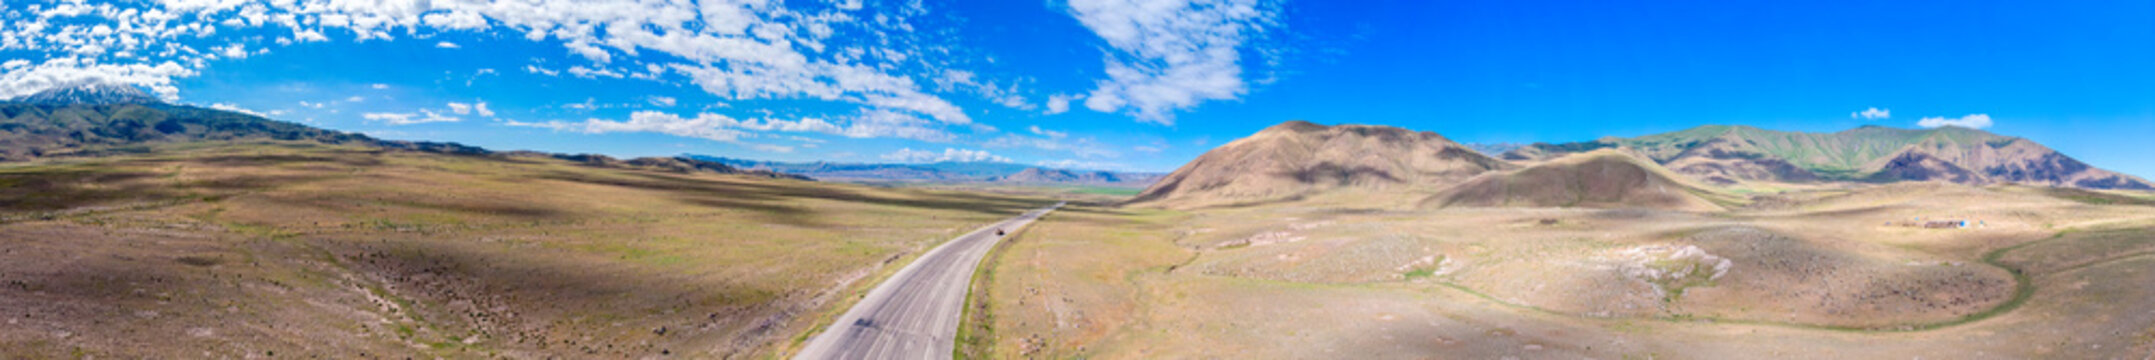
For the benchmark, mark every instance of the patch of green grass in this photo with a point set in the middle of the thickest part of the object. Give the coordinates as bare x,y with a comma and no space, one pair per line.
1420,273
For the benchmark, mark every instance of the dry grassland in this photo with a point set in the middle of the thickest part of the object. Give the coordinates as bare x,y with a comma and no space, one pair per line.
1816,273
290,249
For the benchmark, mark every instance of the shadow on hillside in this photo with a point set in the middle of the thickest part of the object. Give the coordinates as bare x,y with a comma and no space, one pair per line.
1335,174
544,300
280,159
59,189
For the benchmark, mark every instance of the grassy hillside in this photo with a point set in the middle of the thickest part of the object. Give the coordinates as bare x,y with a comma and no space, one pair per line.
1730,155
245,249
1835,155
30,131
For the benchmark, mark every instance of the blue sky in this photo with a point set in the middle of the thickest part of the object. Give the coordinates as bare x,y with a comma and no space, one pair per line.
1108,84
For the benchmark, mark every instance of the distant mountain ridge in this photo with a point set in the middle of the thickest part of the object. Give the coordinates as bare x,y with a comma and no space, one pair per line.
1380,166
89,94
1730,154
975,172
1081,177
96,119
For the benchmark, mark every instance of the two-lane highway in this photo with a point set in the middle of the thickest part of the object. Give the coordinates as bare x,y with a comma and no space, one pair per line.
915,314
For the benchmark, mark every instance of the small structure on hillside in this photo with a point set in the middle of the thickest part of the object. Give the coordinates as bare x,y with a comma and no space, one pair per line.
1936,224
1945,224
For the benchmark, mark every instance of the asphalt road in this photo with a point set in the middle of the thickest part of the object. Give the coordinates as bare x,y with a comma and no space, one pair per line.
914,314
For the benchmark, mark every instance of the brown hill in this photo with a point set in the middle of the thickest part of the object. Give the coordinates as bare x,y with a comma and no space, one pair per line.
1993,159
1299,160
1605,178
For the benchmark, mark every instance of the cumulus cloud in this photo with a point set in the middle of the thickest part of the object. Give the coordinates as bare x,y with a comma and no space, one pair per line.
242,110
535,69
590,73
862,53
720,127
1050,140
661,101
967,81
1060,103
1972,121
1871,114
1036,130
470,108
380,86
422,117
1170,55
448,45
948,155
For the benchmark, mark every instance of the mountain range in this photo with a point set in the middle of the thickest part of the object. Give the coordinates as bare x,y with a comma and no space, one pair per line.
99,119
1382,166
1732,154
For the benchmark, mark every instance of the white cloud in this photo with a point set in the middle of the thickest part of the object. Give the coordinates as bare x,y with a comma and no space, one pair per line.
1972,121
853,52
1172,54
424,116
1005,95
447,45
470,108
1060,103
709,126
237,109
1872,114
948,155
380,86
1052,134
720,127
535,69
355,98
892,124
661,101
1054,141
589,73
234,51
